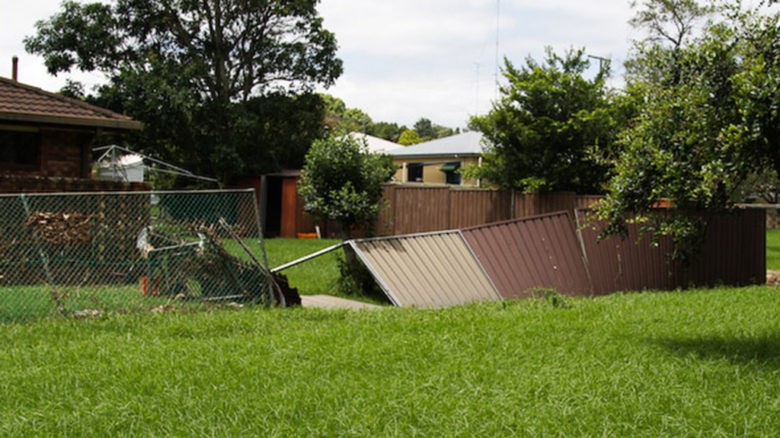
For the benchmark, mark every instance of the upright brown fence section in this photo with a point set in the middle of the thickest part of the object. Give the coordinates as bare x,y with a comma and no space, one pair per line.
421,209
733,254
476,207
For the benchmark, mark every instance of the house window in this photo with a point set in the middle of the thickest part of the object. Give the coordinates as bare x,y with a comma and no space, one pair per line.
414,172
451,172
19,149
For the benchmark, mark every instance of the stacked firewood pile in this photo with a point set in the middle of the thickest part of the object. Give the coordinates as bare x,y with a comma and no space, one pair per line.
62,228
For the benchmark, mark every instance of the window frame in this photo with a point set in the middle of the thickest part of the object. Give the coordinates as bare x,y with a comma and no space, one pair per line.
417,167
449,175
35,140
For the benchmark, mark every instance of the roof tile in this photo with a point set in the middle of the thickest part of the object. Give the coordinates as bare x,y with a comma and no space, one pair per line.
21,100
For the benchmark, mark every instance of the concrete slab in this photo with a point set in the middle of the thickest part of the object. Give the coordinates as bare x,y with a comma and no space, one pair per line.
331,302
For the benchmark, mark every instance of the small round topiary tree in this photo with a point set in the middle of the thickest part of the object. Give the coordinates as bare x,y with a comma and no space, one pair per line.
342,182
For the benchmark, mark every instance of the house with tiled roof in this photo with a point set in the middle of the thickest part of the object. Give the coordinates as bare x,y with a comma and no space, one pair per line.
45,135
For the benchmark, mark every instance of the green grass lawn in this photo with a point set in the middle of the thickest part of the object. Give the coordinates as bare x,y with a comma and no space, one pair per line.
23,304
316,276
696,363
773,249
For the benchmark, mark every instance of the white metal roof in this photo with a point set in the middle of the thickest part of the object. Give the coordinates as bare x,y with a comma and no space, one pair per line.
465,144
375,145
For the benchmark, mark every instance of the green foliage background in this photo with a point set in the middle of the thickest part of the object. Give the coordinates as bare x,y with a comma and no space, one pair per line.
545,132
707,119
222,87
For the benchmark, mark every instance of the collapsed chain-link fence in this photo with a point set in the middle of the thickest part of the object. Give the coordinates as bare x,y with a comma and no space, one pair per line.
86,254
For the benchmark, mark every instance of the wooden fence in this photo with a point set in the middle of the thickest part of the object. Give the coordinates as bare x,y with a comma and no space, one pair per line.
417,209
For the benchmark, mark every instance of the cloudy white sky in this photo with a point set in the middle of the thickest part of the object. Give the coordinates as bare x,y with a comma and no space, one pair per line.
406,59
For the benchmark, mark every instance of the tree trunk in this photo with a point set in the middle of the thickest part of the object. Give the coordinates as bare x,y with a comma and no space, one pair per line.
349,253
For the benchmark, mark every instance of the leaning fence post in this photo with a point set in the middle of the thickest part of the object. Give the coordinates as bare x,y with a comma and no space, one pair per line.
45,260
512,204
260,225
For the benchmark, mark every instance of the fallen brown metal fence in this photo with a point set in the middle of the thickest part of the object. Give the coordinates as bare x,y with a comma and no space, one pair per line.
523,254
426,270
515,258
85,254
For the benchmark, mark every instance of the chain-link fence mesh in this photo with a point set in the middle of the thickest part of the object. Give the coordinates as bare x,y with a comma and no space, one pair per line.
89,253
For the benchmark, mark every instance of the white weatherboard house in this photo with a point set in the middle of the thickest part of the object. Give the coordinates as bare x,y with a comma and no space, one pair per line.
437,161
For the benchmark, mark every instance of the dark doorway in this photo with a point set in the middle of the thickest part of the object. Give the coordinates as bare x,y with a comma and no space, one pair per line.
273,206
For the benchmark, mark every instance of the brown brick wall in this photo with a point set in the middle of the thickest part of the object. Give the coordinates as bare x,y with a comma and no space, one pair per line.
38,184
60,153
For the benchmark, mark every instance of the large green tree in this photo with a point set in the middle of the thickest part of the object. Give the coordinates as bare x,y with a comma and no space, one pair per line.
708,120
409,137
339,118
546,126
424,128
431,131
193,71
388,131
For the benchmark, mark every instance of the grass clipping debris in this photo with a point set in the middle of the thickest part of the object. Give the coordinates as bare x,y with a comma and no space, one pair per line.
62,228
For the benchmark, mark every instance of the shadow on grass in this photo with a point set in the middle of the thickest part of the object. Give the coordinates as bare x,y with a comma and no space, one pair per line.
759,349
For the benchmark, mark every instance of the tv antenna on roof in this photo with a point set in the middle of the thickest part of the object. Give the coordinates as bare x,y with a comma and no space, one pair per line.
602,61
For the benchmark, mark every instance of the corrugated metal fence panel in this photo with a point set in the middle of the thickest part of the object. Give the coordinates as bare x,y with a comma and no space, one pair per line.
422,209
734,251
527,205
587,201
433,270
617,264
476,207
521,254
733,254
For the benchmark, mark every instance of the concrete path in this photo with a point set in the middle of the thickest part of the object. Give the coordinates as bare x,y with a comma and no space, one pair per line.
331,302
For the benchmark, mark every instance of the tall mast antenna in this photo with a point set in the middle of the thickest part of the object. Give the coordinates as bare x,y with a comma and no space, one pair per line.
476,95
498,16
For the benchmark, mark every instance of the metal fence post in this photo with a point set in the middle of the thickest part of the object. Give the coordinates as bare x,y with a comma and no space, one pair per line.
261,236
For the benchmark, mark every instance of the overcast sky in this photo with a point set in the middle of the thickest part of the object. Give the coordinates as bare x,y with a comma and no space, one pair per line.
406,59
